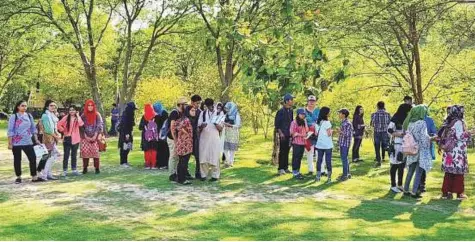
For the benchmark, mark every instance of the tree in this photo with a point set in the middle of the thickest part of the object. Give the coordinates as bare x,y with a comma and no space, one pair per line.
137,44
79,23
227,22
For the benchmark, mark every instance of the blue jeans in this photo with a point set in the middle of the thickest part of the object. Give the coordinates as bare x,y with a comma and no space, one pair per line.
297,155
70,150
413,168
381,141
328,160
344,160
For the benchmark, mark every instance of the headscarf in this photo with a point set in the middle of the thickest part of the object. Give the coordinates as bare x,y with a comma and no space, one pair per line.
456,112
149,112
158,107
90,115
128,116
232,110
417,113
401,114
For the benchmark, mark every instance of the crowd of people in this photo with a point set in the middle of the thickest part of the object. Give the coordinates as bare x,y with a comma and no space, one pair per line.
209,131
168,140
409,137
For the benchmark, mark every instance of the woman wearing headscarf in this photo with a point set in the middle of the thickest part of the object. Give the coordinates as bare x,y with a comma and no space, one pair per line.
49,128
126,127
396,157
149,143
455,161
93,127
422,161
232,124
163,153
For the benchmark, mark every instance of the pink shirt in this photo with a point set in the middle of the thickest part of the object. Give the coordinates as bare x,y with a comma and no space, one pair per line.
73,130
294,128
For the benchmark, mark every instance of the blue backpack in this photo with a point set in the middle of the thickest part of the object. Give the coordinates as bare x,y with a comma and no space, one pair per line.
165,128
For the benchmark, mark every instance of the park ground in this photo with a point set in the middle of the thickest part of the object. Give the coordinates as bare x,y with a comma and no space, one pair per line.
249,203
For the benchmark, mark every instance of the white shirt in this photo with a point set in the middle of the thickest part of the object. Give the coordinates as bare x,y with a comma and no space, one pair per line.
324,140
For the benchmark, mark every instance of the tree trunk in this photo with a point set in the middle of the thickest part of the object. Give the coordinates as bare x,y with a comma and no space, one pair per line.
418,95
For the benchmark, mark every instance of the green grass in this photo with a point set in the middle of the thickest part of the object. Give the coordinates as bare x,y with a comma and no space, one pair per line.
249,203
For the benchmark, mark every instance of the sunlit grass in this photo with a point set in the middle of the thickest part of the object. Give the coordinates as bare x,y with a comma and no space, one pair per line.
249,203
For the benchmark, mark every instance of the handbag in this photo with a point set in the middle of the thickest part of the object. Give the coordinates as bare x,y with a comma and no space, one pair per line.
40,151
102,143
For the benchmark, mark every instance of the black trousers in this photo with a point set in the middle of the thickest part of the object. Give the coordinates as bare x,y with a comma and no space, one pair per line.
70,150
422,185
124,156
297,157
284,150
356,149
182,169
30,154
196,154
399,169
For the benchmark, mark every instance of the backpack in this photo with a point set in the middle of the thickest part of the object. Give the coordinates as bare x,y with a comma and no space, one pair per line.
409,145
165,128
151,132
448,138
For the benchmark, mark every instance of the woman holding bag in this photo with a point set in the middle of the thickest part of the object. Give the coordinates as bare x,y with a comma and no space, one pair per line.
49,128
69,126
21,133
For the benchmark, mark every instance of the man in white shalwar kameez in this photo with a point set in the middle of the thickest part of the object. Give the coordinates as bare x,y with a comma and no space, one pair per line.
210,124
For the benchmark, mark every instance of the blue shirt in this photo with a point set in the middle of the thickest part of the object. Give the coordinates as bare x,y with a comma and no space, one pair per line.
21,128
115,111
312,117
283,119
431,130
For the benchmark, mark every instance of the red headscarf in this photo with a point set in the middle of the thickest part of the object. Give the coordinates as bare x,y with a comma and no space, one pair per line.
90,115
149,113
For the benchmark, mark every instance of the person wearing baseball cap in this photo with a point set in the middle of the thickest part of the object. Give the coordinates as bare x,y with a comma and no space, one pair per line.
311,115
298,131
174,116
283,119
344,142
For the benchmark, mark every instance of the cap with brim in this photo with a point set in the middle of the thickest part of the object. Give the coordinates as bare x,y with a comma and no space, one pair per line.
312,98
300,111
288,97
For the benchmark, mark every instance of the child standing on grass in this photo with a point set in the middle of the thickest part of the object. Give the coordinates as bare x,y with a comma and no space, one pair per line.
298,132
344,142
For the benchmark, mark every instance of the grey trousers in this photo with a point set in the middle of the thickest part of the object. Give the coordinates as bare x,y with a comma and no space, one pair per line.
413,168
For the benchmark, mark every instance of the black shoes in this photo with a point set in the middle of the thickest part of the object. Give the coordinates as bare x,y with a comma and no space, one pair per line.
299,177
98,171
18,181
84,171
213,180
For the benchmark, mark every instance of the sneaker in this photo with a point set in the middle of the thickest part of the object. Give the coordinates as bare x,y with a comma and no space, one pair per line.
281,172
349,176
65,173
407,193
324,174
450,196
444,197
317,178
39,179
98,171
342,178
147,168
18,181
401,189
52,178
310,174
395,190
328,181
299,177
288,171
154,168
84,171
75,173
416,196
377,165
127,165
213,179
462,197
185,183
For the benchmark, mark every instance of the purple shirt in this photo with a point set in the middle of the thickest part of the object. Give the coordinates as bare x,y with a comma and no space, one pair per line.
22,129
346,132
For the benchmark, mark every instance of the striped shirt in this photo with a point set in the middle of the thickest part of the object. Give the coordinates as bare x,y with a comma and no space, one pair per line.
380,121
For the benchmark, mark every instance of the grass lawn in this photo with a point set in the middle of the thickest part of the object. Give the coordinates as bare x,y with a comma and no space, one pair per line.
248,203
